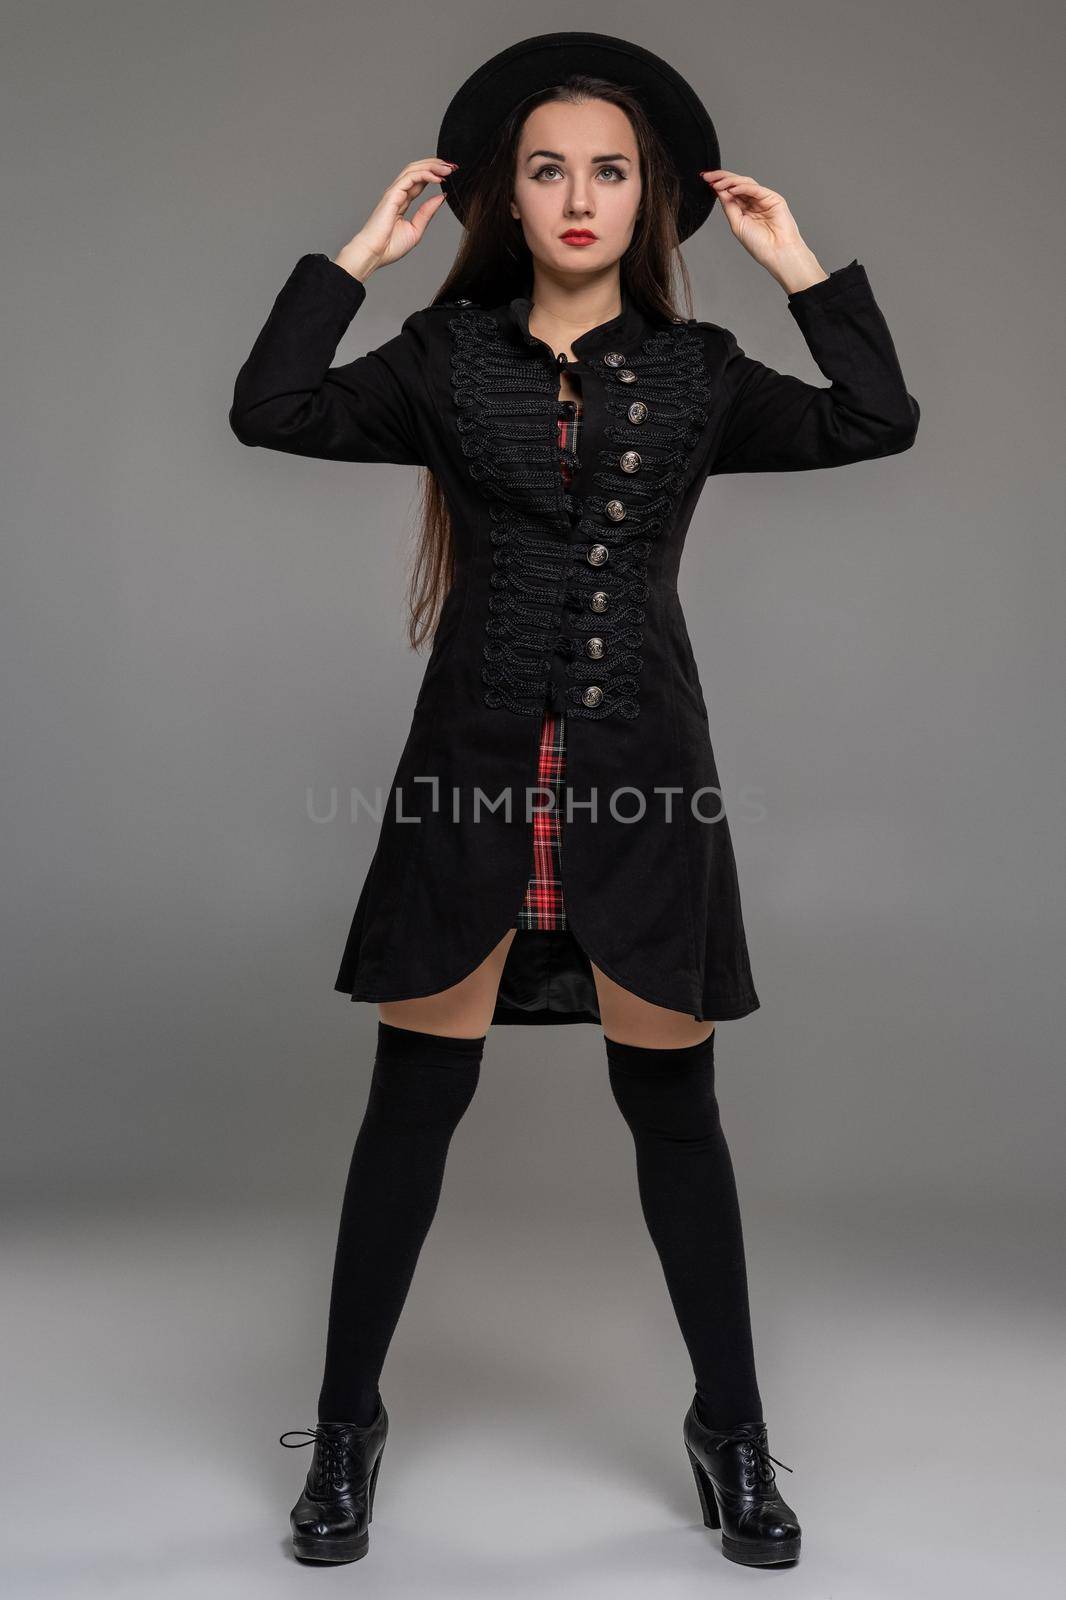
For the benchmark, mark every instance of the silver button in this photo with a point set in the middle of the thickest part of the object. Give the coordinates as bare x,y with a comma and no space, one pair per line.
625,376
638,412
630,462
599,600
592,695
615,510
594,648
613,359
598,554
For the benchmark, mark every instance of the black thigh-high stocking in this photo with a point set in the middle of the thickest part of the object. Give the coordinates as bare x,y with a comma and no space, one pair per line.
689,1198
421,1085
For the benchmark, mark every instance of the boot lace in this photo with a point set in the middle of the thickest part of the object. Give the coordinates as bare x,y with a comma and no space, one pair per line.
756,1456
333,1461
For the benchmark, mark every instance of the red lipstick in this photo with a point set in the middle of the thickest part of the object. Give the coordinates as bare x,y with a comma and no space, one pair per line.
578,236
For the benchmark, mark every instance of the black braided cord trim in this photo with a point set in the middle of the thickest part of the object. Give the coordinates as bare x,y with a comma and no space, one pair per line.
506,414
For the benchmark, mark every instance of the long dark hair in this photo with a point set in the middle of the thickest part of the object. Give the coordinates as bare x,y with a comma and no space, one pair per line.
494,264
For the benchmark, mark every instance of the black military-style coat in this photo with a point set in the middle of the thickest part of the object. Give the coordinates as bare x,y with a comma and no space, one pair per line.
563,595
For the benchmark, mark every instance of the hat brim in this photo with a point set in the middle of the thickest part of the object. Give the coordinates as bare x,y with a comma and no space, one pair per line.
490,94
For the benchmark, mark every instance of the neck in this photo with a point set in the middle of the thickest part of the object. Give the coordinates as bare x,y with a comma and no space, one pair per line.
565,307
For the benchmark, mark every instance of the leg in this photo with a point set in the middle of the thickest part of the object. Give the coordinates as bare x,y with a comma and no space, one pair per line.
629,1019
466,1008
689,1199
425,1073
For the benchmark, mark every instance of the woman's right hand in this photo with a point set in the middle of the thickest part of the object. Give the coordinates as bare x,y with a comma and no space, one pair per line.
387,234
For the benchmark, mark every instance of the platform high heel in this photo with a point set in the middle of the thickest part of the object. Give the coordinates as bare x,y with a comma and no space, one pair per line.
330,1520
738,1493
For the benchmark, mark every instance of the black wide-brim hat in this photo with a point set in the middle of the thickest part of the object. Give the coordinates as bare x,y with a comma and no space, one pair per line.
479,108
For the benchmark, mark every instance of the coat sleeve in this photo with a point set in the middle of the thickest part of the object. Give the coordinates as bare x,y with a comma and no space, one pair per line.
288,397
777,423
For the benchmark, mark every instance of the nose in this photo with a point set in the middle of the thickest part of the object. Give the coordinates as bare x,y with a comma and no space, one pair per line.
578,203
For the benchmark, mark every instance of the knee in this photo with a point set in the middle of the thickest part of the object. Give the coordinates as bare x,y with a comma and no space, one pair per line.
666,1094
423,1080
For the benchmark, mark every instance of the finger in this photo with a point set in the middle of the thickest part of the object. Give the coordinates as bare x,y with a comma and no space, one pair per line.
750,194
416,175
733,210
428,209
718,179
719,175
748,186
428,161
415,180
721,182
408,187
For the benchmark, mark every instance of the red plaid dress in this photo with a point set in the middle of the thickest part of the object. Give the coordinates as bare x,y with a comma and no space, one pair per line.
543,904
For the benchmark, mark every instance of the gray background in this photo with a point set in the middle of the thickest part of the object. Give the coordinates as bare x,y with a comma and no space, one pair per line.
196,635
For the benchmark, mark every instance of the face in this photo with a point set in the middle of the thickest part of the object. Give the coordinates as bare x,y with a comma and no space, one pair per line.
577,168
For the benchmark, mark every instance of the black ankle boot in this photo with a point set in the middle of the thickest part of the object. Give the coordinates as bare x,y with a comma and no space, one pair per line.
329,1521
738,1494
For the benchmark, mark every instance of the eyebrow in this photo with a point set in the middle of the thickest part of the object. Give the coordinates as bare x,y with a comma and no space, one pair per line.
556,156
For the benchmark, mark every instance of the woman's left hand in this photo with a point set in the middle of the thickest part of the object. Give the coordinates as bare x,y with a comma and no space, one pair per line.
760,219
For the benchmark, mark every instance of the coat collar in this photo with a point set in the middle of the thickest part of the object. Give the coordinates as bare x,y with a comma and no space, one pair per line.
620,332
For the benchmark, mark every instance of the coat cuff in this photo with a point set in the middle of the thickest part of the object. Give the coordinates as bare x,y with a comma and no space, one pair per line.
844,280
350,292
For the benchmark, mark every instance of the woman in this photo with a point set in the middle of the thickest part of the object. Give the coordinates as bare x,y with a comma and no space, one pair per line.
571,861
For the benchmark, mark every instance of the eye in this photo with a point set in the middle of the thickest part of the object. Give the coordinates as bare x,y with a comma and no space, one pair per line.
551,167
